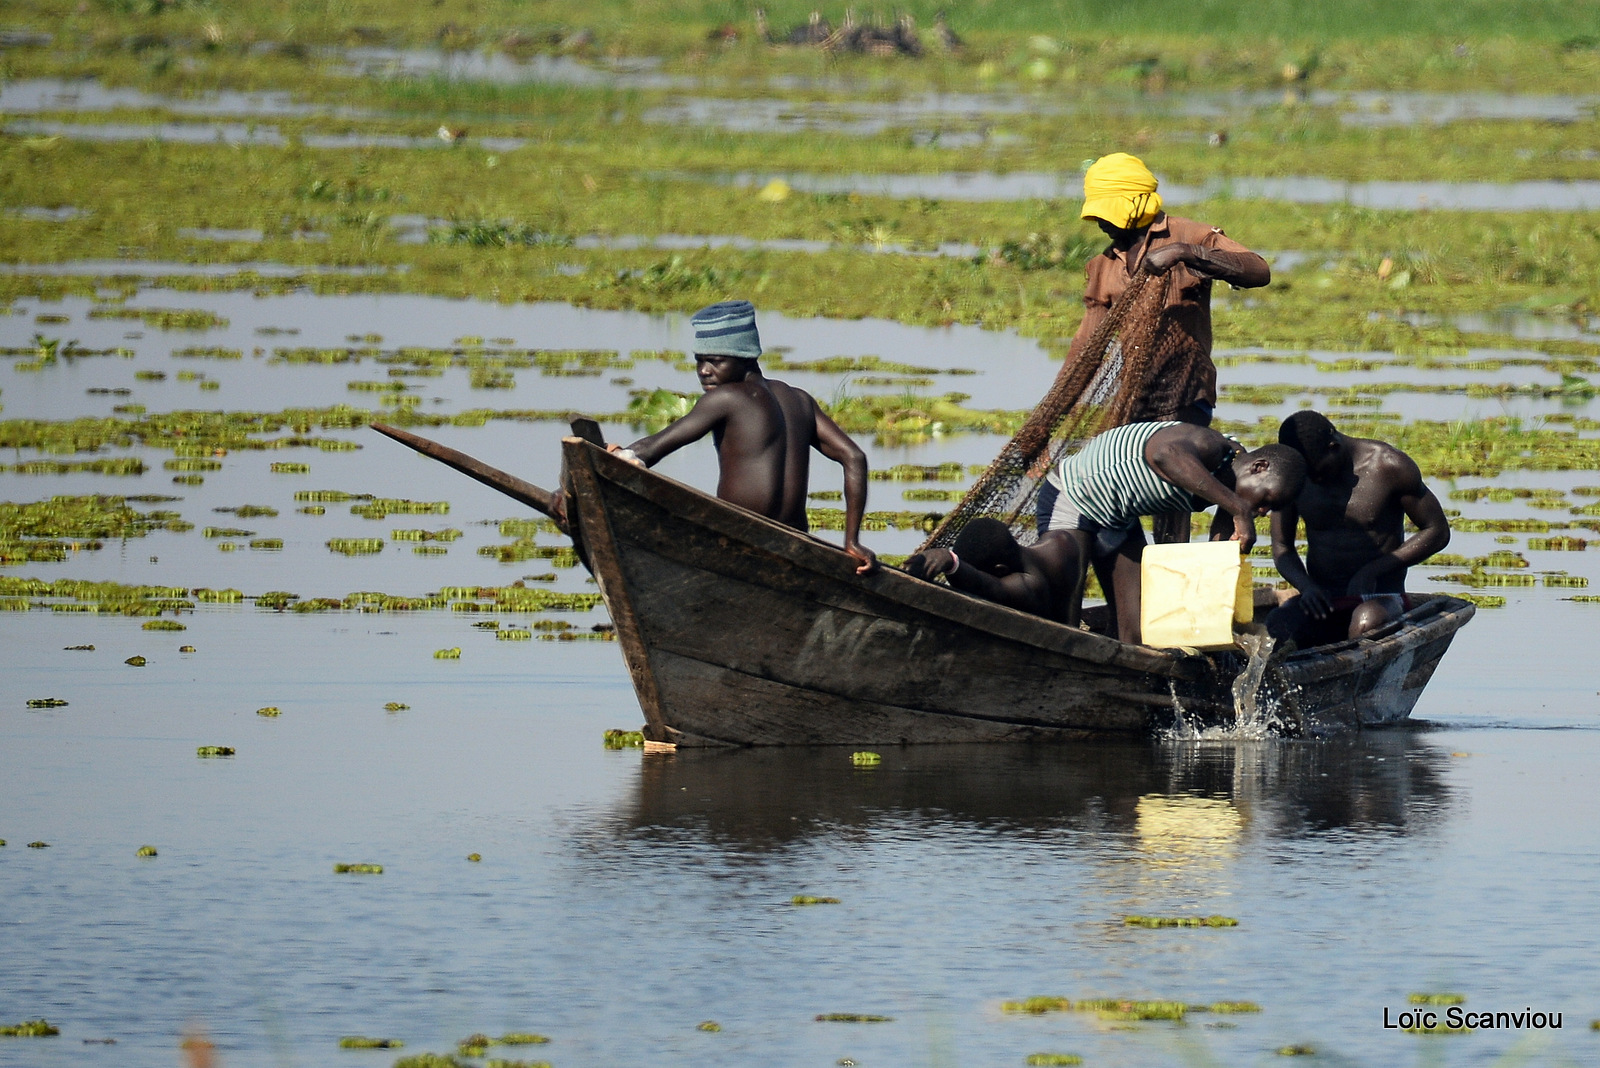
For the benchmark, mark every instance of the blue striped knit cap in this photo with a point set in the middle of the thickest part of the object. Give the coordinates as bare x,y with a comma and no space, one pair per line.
727,329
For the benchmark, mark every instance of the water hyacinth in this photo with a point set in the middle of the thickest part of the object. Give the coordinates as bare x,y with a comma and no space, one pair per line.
852,1017
46,702
358,869
621,739
215,751
708,1025
40,1028
447,654
362,1042
1179,921
1052,1060
146,851
271,712
807,899
866,759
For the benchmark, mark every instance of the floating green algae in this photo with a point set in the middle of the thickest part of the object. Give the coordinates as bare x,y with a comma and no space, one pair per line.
395,706
1179,921
79,648
163,318
500,1062
288,468
136,661
1573,582
1482,600
448,534
362,1042
46,702
708,1025
383,507
447,654
146,851
356,546
52,529
266,544
1295,1051
475,858
124,467
358,869
39,1028
521,1038
185,648
215,751
852,1017
1052,1060
514,634
163,624
430,1060
271,712
866,759
807,899
38,845
621,739
1436,999
1560,543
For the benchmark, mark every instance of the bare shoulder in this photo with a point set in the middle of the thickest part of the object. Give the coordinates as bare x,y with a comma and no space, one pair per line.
791,395
1379,459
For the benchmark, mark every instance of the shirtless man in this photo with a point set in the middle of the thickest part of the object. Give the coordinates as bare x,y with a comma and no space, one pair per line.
1357,497
763,429
1089,511
987,562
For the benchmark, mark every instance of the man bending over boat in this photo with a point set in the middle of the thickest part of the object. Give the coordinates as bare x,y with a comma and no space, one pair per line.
1357,496
1089,510
763,429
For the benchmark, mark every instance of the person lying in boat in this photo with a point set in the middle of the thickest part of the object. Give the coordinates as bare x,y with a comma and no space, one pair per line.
1090,506
1357,497
987,562
763,429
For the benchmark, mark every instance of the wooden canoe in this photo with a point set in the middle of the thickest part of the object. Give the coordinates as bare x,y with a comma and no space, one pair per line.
739,631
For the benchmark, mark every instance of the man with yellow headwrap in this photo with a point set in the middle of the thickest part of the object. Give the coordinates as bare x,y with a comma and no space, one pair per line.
1119,194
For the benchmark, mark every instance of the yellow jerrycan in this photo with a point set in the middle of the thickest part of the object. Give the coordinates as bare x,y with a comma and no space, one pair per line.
1193,593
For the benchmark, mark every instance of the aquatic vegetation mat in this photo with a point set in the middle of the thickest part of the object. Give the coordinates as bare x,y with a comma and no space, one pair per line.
39,1028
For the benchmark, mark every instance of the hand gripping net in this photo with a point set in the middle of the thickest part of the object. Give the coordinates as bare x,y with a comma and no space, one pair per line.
1111,382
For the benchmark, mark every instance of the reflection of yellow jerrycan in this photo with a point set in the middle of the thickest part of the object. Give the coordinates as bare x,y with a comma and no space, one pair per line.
1192,594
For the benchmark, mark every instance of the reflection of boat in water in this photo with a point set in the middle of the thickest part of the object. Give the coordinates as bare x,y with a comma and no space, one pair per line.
761,799
738,630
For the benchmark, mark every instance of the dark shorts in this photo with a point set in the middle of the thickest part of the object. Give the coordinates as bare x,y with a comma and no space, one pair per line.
1335,628
1054,511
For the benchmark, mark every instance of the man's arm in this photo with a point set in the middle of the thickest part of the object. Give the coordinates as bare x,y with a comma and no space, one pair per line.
837,446
707,414
1177,462
1287,560
1218,257
1018,590
1424,510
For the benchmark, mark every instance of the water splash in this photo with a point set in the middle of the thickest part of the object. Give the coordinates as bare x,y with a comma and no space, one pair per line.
1263,704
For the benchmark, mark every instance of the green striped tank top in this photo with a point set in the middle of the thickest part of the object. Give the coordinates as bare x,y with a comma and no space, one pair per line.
1109,481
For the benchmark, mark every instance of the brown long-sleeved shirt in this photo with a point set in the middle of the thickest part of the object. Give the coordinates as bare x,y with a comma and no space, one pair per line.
1187,325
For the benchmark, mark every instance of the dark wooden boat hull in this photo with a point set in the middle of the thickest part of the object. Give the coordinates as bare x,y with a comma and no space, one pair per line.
740,631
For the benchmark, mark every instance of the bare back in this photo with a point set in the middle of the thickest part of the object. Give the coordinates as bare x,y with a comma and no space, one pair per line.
751,446
800,435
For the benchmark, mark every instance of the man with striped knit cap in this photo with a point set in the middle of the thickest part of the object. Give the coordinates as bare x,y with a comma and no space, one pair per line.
763,430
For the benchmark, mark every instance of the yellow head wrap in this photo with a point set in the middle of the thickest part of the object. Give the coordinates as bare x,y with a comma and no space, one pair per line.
1120,189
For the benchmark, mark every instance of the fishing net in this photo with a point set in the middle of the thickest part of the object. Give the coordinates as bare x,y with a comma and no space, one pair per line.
1129,370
